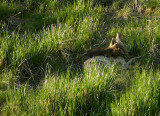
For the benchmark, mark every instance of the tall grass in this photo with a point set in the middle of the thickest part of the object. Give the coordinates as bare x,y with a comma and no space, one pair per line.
8,9
64,95
142,98
89,94
39,74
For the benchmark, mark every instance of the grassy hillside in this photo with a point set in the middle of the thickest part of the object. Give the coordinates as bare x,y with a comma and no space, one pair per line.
41,40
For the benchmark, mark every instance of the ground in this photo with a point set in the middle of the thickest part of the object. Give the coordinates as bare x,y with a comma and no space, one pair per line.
41,40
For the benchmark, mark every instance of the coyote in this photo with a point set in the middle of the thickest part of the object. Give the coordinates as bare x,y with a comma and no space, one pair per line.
115,49
106,57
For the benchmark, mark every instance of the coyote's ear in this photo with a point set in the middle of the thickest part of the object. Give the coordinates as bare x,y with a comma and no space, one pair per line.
112,42
117,37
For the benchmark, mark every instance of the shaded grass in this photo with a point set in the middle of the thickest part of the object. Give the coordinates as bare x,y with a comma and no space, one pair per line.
8,9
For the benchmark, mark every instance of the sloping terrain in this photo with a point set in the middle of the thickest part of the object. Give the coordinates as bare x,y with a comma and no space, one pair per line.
42,40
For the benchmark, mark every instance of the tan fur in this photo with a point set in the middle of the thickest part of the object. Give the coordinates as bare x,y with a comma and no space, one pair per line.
116,48
116,40
115,53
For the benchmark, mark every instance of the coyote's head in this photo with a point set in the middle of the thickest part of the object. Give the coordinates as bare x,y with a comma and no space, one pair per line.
116,40
118,47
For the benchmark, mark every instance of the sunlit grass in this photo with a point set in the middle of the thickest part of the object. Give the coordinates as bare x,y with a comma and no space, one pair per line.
64,95
142,98
39,74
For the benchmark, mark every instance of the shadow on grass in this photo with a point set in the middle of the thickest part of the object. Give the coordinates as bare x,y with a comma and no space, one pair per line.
34,69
